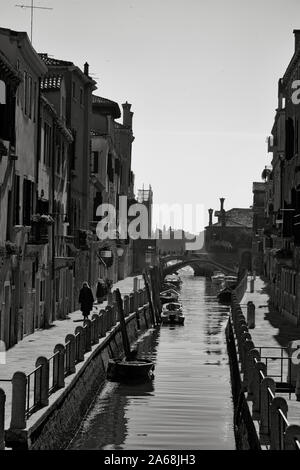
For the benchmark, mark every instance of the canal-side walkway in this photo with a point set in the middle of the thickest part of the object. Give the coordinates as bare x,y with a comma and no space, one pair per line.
23,355
272,331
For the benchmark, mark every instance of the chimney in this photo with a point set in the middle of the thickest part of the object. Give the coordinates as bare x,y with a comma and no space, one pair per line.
210,211
222,199
86,69
127,115
222,212
297,39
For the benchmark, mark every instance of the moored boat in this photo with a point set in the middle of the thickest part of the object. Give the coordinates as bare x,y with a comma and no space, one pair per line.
169,295
128,371
224,296
173,279
231,281
218,277
172,313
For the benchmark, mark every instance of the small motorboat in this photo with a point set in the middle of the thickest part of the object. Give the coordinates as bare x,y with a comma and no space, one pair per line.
169,285
173,279
172,313
169,295
218,277
224,296
122,370
231,281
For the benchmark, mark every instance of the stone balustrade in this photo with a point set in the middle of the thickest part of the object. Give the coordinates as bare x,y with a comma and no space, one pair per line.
31,392
268,409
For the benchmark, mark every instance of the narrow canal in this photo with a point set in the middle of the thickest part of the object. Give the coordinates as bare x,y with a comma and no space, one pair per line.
188,405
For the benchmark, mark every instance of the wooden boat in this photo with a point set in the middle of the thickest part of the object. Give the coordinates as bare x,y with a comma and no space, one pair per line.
218,277
173,279
131,368
172,314
231,281
169,295
130,371
224,296
169,285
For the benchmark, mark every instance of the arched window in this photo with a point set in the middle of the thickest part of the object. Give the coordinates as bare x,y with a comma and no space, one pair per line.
2,92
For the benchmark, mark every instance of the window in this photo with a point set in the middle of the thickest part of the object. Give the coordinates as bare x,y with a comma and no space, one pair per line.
16,200
34,101
25,92
18,90
110,171
42,290
95,162
73,90
27,201
29,97
2,92
73,150
47,143
81,96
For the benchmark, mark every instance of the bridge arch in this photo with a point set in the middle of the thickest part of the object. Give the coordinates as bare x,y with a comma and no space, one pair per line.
197,264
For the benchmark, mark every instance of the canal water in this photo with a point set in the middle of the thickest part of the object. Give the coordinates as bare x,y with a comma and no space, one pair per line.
188,405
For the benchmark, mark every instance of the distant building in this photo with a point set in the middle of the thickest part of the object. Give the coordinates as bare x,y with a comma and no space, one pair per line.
230,238
111,177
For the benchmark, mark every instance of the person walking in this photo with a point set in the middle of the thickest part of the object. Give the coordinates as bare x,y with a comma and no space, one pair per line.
86,300
101,291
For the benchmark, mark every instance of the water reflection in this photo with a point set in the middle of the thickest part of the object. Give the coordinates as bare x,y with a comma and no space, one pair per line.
188,404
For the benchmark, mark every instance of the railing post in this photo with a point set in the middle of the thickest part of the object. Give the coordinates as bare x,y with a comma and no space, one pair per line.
252,355
292,432
95,329
88,335
60,365
2,419
126,305
81,346
276,431
131,303
108,317
102,331
135,301
18,402
247,346
44,380
251,285
72,356
265,402
259,367
110,299
135,284
250,314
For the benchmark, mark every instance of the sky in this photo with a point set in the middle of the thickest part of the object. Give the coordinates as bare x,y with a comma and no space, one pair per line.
201,76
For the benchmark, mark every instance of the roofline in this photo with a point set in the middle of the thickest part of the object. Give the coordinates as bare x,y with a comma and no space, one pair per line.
27,49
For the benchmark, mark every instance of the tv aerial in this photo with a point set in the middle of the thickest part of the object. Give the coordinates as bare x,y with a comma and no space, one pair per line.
32,7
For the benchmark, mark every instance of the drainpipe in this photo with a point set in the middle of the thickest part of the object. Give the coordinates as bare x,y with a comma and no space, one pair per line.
55,219
38,143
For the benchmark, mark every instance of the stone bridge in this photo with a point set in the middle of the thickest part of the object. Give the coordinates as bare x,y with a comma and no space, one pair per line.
199,262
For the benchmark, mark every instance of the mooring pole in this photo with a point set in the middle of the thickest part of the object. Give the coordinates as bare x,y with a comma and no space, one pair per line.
149,298
125,338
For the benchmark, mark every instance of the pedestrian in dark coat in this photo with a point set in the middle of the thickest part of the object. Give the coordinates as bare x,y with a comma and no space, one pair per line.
86,299
101,291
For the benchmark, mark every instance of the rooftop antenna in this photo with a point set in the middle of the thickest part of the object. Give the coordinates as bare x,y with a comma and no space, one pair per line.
32,8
